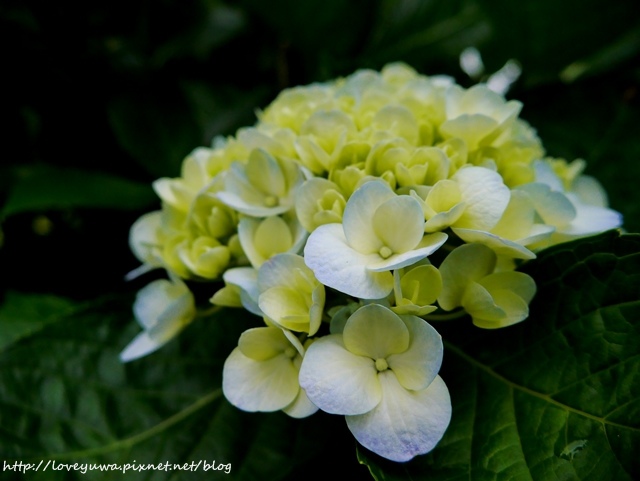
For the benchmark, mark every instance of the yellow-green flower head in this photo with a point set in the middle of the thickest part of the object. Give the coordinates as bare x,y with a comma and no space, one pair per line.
261,239
492,299
263,186
381,372
290,295
332,120
163,308
261,374
380,231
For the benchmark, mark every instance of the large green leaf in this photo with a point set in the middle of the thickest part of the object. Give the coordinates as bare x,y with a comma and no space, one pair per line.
555,397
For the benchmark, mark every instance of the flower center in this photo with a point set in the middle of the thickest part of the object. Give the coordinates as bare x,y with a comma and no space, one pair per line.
385,252
271,201
290,352
381,364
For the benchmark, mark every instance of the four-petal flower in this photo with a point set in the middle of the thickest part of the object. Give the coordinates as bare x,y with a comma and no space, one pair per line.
382,373
380,231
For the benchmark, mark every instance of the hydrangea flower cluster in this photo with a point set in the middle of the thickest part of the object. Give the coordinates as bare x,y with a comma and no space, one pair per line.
350,215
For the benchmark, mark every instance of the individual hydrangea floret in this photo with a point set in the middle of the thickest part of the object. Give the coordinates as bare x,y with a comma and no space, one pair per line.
380,231
261,239
577,211
381,372
145,243
163,308
263,186
493,299
261,374
416,289
290,295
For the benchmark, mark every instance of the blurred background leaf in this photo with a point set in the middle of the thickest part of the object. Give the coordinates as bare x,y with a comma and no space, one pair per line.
44,187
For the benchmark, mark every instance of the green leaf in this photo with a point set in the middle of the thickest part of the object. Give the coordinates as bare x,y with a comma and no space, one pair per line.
23,315
45,188
555,397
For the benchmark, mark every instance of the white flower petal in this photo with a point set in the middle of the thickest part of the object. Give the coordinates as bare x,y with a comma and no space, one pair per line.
418,366
498,244
358,216
337,265
265,174
163,301
591,219
337,381
544,174
246,278
286,307
553,206
590,191
429,244
485,195
301,407
259,385
405,423
143,238
252,209
141,345
277,272
399,223
473,128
